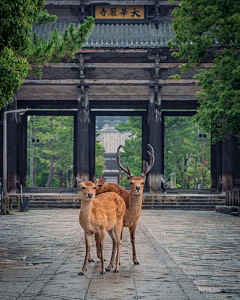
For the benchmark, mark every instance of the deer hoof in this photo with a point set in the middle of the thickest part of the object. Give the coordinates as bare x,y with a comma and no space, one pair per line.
102,272
108,270
81,273
115,271
136,263
91,260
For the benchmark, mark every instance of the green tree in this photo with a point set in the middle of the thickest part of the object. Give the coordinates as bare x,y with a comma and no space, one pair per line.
22,51
211,28
99,159
183,151
185,154
53,155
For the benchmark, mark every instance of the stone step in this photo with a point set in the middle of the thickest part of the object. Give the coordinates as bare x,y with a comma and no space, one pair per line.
161,201
184,200
49,190
182,207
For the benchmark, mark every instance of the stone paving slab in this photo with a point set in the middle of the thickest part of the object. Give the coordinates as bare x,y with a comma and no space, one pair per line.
182,255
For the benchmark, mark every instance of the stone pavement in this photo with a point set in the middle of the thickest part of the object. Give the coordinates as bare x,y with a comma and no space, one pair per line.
182,254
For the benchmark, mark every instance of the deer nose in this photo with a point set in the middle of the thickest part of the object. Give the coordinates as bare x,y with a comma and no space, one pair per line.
138,188
90,195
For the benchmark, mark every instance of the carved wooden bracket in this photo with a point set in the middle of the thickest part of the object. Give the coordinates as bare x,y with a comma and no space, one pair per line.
79,11
156,14
157,88
81,86
81,14
154,113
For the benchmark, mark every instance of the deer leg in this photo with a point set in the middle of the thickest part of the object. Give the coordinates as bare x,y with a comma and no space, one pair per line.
114,250
132,231
102,238
88,238
97,240
118,233
89,257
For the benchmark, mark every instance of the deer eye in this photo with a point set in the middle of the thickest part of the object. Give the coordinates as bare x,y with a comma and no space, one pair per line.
94,188
131,182
83,188
142,182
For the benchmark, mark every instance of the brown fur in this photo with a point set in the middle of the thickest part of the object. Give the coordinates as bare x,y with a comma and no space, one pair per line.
98,215
133,201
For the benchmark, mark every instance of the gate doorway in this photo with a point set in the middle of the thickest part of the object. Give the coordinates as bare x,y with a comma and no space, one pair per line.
187,152
115,128
50,150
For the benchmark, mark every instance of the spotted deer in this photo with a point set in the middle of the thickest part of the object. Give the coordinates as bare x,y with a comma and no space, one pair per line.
99,215
133,198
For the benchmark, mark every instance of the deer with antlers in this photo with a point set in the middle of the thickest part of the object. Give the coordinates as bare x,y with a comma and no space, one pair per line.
99,215
133,198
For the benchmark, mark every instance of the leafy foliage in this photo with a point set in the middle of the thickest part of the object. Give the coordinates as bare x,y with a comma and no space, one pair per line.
183,151
211,28
219,99
13,70
19,48
60,46
17,18
133,147
55,135
99,159
185,154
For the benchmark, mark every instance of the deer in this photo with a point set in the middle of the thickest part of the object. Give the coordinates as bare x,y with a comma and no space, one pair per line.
99,215
133,198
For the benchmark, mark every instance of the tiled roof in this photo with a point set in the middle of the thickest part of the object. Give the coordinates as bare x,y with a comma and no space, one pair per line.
117,35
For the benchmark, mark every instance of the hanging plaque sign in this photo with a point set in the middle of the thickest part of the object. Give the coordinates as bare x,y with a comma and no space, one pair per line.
110,12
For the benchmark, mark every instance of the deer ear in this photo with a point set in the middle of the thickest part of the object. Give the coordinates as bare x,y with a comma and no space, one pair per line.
100,181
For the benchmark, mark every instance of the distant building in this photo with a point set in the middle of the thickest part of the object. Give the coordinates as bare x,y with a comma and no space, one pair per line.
111,138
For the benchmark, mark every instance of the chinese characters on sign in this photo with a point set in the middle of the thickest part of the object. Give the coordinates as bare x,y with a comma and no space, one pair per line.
109,12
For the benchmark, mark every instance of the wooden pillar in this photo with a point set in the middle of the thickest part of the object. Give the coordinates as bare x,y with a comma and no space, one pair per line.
155,126
145,141
22,152
75,151
214,175
83,126
12,147
83,136
227,164
92,142
219,165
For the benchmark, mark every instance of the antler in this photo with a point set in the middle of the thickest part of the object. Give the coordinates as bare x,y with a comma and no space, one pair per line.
149,167
127,171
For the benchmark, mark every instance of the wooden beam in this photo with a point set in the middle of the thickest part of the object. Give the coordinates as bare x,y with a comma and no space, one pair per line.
91,2
122,65
51,113
87,81
113,50
141,65
172,82
118,113
119,97
186,113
